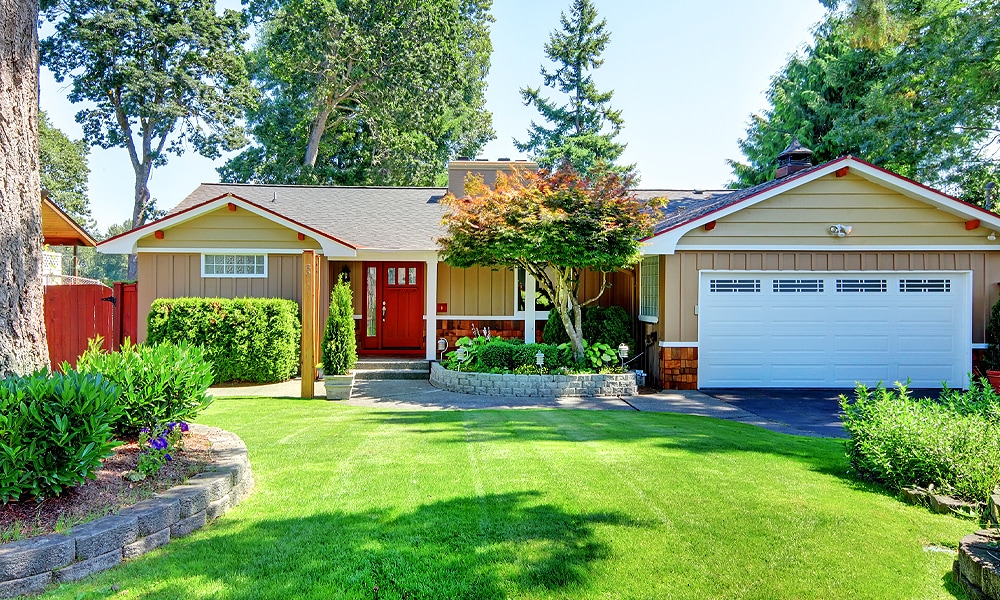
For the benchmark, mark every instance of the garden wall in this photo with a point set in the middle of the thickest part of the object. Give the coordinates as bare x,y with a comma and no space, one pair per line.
28,566
488,384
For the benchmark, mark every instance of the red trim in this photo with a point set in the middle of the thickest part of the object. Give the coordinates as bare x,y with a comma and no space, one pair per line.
842,171
710,226
973,224
230,195
302,236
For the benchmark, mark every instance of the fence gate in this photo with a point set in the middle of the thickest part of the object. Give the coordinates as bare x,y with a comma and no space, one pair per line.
73,315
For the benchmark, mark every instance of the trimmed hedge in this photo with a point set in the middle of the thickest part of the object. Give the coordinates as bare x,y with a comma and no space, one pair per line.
158,383
610,326
54,432
952,443
246,339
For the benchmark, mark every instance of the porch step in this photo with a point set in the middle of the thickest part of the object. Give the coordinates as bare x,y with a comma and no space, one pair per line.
392,369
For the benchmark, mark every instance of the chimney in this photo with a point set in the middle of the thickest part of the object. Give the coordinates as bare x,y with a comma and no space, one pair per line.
460,169
793,159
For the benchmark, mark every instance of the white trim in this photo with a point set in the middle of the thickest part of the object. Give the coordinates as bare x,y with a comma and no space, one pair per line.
233,275
666,242
128,243
980,346
220,250
430,306
441,317
645,319
678,344
814,248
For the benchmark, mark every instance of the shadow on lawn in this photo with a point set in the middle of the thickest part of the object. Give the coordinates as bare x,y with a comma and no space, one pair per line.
494,546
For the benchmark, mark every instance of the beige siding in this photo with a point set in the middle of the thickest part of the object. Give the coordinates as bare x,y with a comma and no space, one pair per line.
802,216
225,229
476,291
179,276
680,279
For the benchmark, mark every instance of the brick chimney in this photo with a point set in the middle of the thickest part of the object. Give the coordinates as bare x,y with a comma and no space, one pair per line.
461,168
793,159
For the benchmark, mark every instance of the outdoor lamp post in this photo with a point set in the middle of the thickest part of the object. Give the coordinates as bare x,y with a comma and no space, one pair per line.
623,353
460,354
540,360
442,347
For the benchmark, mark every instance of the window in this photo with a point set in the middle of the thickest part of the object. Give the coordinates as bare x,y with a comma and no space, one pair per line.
798,285
542,301
862,285
234,265
728,286
649,289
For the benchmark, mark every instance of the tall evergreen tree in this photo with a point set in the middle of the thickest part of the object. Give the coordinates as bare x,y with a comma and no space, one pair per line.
581,131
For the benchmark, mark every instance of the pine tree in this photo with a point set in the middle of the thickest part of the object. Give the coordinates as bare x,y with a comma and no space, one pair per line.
582,130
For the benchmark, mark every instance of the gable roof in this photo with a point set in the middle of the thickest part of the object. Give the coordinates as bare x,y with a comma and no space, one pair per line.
674,225
60,229
343,219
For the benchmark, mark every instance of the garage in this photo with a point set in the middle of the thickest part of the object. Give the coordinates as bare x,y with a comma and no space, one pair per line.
833,329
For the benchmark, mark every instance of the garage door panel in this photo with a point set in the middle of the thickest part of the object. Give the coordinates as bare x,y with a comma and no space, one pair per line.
866,327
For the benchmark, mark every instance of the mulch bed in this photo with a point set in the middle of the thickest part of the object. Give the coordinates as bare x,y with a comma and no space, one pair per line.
104,495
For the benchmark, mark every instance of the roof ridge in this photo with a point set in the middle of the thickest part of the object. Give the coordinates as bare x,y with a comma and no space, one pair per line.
327,187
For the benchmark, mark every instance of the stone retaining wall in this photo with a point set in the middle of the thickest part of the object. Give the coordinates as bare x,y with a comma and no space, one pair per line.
488,384
27,566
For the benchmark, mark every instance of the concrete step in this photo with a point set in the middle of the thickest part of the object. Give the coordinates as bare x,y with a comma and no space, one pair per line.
392,368
386,374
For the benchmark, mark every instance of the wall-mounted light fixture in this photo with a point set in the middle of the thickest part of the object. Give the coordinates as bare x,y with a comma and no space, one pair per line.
346,273
992,236
840,230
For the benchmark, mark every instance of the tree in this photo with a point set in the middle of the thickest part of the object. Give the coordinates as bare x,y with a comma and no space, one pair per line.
553,224
367,92
23,347
927,107
582,130
63,170
160,74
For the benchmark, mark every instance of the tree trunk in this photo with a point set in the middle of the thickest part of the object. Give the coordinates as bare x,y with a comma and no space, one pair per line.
139,211
316,131
23,347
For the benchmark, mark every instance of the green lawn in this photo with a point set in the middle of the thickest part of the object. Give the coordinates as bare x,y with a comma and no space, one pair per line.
539,504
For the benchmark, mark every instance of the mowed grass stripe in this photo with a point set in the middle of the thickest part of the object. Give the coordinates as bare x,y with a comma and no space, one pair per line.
539,504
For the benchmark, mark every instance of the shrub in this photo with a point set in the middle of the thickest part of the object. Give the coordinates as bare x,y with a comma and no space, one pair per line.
899,441
610,326
246,339
496,355
524,355
991,357
340,349
158,383
54,431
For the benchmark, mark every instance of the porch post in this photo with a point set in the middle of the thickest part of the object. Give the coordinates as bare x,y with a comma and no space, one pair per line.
529,308
308,324
430,295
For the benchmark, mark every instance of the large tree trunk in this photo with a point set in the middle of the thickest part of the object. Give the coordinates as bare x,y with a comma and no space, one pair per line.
139,211
23,348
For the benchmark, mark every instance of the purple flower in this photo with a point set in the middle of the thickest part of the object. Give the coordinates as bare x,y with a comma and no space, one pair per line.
158,443
167,456
170,426
184,426
144,430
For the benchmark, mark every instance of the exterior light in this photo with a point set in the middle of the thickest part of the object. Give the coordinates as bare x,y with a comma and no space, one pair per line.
623,353
992,236
540,359
461,354
442,347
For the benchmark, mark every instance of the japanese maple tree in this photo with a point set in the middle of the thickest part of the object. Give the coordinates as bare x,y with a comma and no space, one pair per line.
554,224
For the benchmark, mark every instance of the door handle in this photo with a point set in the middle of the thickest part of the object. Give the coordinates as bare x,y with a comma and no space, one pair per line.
383,311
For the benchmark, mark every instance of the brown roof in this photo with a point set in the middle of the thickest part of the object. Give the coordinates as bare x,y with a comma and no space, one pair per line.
59,229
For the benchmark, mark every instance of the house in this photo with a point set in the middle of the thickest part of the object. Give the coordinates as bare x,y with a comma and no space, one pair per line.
827,275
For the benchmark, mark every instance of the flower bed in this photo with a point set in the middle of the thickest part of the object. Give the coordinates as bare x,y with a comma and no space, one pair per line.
28,566
489,384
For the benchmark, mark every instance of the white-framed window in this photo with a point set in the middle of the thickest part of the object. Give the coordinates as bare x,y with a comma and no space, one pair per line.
649,289
234,265
542,301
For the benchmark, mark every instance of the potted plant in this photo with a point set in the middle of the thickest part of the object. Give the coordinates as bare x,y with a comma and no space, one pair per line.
991,358
340,349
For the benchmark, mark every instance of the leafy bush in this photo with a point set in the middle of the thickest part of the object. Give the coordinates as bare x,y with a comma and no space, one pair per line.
496,355
245,339
340,349
54,431
158,383
524,355
953,443
991,357
611,326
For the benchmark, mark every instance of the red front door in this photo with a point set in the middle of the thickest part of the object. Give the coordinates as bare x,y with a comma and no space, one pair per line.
394,306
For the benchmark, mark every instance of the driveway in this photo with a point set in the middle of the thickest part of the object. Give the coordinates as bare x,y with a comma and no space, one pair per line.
813,412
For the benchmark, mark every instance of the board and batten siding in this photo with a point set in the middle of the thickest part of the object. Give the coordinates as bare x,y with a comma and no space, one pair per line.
232,230
679,281
802,216
476,291
179,276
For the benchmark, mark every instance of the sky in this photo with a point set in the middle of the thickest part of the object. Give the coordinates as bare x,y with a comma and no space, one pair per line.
686,75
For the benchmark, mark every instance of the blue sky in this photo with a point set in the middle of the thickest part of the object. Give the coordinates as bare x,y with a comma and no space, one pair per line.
687,76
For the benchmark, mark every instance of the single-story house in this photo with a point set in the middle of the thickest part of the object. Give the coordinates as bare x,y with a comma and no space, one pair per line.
825,276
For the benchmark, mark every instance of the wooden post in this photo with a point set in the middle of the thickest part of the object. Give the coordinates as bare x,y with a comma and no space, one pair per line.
308,323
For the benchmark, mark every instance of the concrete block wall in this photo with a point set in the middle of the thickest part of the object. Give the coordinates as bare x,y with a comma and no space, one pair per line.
28,566
488,384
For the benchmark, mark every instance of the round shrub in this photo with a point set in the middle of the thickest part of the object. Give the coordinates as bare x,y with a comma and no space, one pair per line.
524,355
611,326
496,355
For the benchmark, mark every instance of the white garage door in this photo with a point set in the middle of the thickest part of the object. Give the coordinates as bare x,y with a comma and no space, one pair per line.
831,330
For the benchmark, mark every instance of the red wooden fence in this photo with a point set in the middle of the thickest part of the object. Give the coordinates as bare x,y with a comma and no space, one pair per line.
74,314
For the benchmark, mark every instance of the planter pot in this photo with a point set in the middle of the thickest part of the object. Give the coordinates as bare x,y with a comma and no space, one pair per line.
994,377
338,387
